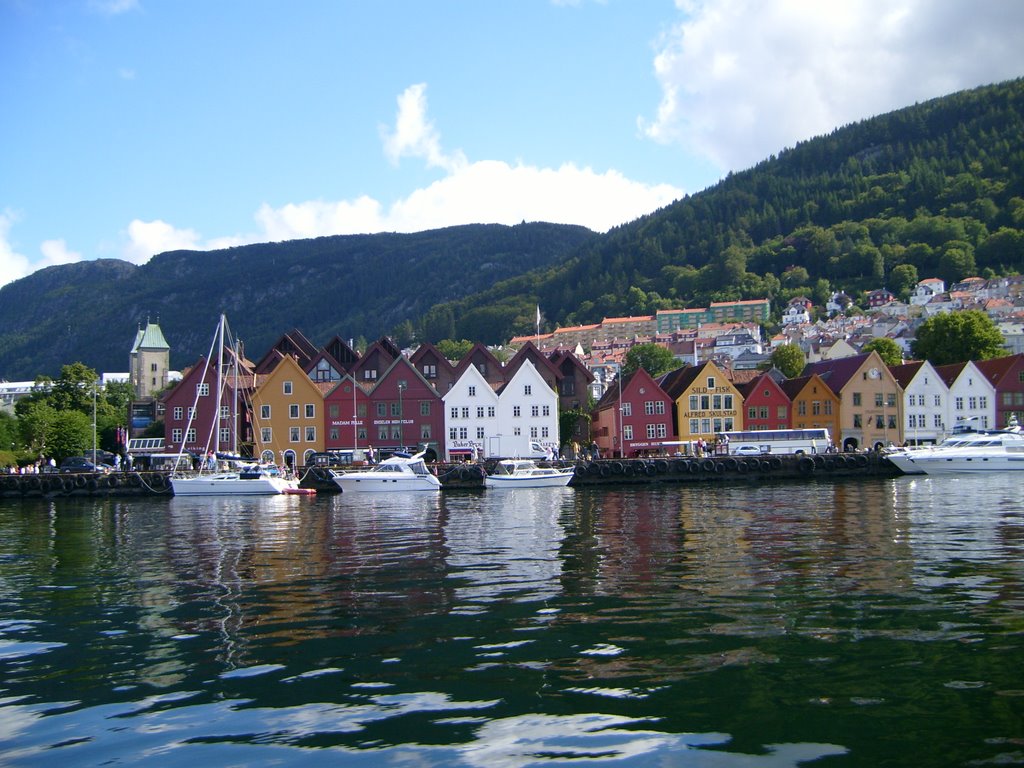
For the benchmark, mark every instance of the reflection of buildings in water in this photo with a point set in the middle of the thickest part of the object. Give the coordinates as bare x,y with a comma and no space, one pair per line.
278,571
506,544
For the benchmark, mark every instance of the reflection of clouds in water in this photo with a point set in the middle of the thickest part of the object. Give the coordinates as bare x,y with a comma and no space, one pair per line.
210,734
530,739
508,549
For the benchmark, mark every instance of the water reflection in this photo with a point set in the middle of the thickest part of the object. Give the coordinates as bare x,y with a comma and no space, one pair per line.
680,625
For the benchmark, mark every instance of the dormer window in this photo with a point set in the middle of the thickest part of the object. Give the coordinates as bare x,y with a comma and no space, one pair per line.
287,387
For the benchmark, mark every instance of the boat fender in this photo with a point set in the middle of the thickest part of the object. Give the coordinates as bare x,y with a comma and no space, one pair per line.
628,469
68,485
463,473
861,460
80,481
754,465
44,485
157,481
693,467
775,463
94,484
617,467
732,465
741,466
605,470
829,465
806,465
135,479
819,460
661,465
34,483
708,465
652,469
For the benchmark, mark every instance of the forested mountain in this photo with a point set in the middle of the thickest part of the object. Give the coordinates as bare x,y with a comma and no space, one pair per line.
933,190
353,286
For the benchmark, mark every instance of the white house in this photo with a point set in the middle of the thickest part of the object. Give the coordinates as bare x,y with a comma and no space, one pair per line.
972,397
925,402
926,290
797,312
485,423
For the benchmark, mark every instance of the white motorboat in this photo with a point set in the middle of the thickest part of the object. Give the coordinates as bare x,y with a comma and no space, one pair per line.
524,473
400,472
247,481
995,451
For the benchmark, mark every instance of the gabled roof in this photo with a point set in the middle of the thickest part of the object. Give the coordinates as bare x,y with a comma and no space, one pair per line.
996,368
478,350
905,372
150,337
949,373
428,350
292,344
529,352
837,372
674,383
386,351
340,350
561,357
323,355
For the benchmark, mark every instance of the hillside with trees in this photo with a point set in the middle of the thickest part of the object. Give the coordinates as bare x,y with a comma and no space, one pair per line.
933,190
354,286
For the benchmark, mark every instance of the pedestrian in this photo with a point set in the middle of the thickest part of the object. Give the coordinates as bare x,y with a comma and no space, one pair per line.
130,461
117,462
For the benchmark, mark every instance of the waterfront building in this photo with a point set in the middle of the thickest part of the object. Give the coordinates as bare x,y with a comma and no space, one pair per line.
766,403
481,358
346,422
633,418
292,344
970,401
192,422
813,404
149,372
1007,376
288,419
925,401
434,367
377,358
405,411
471,415
871,402
705,401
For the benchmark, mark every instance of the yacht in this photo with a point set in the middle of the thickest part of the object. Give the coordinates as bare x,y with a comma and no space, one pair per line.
524,473
995,451
400,472
251,480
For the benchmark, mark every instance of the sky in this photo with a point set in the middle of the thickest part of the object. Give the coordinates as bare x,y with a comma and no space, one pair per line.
133,127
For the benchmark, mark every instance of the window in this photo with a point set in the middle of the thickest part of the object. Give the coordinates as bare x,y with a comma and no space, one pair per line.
879,422
465,412
190,436
816,408
937,420
878,399
780,411
472,391
264,411
333,410
533,432
983,402
265,435
711,382
662,430
752,412
203,389
310,434
694,426
361,410
856,398
395,410
370,374
544,432
455,412
225,412
179,413
801,407
517,431
959,403
225,435
972,403
828,407
527,389
705,402
890,400
535,411
310,411
429,371
176,435
191,412
425,408
335,433
293,434
425,432
716,402
659,407
856,421
463,433
516,411
382,433
479,411
627,432
891,421
705,426
938,400
382,409
293,411
693,403
479,433
763,412
287,387
648,407
545,411
651,431
152,367
453,433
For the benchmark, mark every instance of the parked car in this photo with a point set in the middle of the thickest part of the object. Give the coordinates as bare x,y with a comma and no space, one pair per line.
82,464
747,450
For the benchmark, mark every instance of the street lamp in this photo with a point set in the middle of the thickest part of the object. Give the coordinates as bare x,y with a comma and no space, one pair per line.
401,415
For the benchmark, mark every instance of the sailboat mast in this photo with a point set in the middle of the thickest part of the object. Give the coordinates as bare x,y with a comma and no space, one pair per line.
220,381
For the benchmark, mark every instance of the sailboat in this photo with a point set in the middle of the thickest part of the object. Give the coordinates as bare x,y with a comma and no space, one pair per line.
220,474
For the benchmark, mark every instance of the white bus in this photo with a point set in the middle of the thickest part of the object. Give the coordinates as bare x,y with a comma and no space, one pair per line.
756,442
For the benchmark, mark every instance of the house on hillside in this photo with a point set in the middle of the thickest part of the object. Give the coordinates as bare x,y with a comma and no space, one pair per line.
925,395
705,401
766,404
633,418
813,404
970,401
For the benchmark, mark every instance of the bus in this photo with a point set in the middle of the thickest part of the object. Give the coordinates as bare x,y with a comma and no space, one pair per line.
756,442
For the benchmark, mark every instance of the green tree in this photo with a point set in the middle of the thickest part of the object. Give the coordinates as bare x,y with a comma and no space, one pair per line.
454,350
887,349
73,390
902,279
789,359
70,434
956,337
653,358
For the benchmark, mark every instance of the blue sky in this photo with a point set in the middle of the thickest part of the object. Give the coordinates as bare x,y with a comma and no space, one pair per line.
131,127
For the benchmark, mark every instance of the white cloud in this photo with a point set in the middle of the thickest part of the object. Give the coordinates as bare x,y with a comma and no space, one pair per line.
13,265
415,136
148,238
743,79
56,252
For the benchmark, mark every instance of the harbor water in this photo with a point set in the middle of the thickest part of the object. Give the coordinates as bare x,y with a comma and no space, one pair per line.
867,622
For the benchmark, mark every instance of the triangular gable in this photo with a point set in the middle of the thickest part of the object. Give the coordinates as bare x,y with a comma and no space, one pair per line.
340,351
566,359
543,365
377,359
428,354
316,364
292,344
481,355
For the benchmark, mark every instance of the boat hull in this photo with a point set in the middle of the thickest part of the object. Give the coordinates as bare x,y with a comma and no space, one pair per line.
541,481
371,482
974,465
230,486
